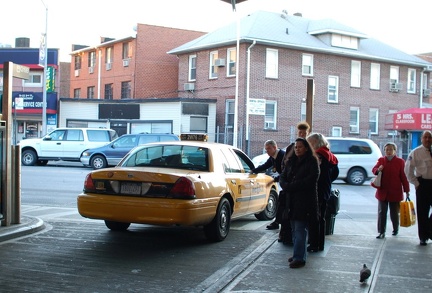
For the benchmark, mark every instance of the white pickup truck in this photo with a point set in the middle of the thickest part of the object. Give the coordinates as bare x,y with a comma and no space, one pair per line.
65,144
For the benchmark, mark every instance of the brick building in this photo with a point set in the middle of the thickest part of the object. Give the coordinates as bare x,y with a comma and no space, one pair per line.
357,79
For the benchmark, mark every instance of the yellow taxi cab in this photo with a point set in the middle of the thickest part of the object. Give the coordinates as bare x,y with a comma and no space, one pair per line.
188,183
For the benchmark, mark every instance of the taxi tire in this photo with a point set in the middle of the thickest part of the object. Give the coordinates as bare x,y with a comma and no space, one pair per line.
270,211
219,227
117,226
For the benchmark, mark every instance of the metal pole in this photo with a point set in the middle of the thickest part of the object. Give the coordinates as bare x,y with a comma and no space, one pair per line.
44,85
235,135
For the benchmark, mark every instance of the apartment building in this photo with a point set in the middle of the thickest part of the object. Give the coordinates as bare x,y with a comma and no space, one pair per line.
357,80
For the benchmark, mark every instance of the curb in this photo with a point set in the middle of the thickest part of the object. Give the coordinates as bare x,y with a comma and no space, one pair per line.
27,226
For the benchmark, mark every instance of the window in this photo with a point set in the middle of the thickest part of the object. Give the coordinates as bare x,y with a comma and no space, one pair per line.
272,63
354,120
92,59
127,51
77,93
355,73
90,92
125,90
198,124
35,80
231,66
307,64
77,62
411,81
213,69
270,115
375,76
333,89
373,121
229,113
192,68
344,41
336,132
74,135
303,111
394,73
109,54
108,91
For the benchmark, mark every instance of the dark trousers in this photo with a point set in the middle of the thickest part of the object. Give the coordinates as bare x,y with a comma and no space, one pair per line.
383,207
285,233
317,227
423,205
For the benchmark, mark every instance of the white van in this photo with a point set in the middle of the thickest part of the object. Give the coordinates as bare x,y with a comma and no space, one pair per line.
356,158
65,144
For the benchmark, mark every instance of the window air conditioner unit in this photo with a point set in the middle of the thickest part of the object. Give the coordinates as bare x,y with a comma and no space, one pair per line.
77,72
91,69
395,86
125,62
429,68
220,62
108,66
426,92
189,86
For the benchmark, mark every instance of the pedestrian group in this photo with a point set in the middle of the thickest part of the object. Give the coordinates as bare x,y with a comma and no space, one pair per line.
305,171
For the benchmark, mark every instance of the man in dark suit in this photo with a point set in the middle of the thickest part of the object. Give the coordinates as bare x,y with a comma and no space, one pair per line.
274,161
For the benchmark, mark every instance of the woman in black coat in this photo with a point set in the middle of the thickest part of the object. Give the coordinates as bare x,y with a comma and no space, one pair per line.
299,180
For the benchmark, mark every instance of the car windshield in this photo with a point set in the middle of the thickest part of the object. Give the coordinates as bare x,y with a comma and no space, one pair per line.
169,156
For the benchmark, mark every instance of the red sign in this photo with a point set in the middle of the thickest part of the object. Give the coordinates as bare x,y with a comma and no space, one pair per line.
410,119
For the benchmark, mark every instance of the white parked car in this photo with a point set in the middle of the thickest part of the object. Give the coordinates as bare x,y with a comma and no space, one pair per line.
356,157
65,144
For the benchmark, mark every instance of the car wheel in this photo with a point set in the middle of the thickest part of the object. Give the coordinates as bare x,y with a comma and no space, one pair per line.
117,226
28,158
356,176
98,162
42,162
271,209
218,228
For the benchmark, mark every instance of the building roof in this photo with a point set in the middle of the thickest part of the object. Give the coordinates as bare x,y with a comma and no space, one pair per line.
296,32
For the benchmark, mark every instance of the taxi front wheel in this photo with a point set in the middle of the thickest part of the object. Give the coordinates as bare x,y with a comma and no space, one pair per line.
218,228
271,209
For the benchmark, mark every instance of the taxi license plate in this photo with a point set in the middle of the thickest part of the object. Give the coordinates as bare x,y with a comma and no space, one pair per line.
130,188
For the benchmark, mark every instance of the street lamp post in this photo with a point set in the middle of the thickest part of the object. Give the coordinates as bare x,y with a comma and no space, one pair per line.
235,128
45,66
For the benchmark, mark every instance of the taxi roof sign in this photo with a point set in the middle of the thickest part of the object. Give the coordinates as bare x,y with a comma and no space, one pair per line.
194,137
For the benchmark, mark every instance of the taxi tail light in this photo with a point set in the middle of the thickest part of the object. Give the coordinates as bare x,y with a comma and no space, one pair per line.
88,183
183,188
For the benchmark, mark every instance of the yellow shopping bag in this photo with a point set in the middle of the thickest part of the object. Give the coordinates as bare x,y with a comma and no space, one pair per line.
407,213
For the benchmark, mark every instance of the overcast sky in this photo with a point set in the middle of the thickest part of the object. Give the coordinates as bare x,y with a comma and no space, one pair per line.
403,25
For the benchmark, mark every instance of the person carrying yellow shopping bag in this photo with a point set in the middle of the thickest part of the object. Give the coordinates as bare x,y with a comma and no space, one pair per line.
390,193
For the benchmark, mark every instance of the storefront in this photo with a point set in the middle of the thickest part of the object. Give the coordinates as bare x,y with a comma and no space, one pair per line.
27,114
413,121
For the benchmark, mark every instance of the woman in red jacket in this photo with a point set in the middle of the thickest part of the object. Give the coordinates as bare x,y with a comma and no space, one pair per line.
393,184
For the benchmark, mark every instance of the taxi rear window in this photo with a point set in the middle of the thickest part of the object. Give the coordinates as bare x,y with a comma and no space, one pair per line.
170,156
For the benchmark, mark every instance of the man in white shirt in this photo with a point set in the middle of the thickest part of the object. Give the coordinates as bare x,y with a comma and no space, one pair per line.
418,168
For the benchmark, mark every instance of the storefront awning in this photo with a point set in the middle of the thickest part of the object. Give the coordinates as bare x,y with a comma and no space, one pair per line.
410,119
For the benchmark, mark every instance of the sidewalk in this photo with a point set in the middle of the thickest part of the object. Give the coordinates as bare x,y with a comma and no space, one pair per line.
398,264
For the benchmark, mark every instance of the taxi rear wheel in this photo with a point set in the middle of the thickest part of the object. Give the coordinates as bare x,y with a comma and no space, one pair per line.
271,209
219,227
117,226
